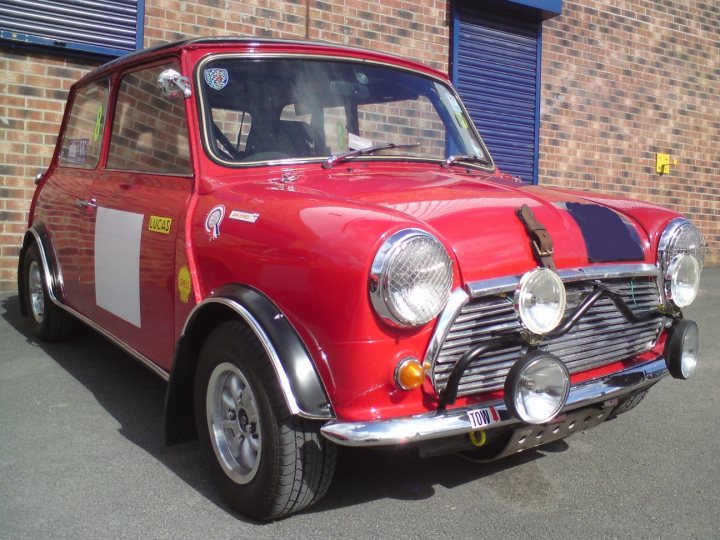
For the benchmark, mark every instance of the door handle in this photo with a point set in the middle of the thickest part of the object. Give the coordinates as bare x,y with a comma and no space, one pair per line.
90,203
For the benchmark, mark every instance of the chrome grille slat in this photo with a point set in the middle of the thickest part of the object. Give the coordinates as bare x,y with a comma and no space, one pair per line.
601,337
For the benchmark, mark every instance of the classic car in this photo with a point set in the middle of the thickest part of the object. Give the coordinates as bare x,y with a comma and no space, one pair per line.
313,246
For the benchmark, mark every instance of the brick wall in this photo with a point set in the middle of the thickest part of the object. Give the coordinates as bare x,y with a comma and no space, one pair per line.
33,88
623,80
419,30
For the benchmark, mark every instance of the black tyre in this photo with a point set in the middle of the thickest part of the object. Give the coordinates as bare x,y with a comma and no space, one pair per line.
49,322
265,462
628,404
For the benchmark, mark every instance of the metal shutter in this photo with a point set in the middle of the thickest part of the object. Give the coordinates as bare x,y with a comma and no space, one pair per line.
496,72
105,26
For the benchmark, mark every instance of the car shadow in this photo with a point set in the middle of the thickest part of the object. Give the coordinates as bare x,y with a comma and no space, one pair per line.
135,397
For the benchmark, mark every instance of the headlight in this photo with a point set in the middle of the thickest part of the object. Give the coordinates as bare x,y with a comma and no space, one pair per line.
540,300
681,254
682,280
410,278
537,387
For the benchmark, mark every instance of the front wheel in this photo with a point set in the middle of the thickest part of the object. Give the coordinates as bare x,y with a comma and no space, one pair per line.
265,462
628,404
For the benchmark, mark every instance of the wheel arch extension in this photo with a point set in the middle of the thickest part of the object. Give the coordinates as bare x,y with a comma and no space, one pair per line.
38,235
299,380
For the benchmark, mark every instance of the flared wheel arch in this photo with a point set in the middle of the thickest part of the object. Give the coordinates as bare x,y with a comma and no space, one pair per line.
302,388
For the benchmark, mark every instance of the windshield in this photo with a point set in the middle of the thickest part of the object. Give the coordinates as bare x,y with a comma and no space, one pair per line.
259,110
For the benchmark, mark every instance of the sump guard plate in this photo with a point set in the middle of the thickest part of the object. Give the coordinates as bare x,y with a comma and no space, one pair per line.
531,436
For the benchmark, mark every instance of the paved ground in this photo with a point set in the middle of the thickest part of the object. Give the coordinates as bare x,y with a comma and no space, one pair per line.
82,456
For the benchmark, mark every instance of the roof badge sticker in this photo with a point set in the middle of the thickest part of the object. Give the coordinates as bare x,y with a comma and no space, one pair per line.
213,221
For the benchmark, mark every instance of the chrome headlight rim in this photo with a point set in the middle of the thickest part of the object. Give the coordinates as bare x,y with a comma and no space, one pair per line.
521,292
672,247
379,279
669,238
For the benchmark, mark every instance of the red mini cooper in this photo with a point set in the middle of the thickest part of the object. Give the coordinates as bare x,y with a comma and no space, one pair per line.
313,246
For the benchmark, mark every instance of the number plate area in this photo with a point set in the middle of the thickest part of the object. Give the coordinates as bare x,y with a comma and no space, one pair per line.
480,418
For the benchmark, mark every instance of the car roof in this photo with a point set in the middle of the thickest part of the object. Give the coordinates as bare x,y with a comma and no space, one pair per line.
258,45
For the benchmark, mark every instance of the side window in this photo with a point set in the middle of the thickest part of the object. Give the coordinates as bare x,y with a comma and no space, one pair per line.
149,132
82,139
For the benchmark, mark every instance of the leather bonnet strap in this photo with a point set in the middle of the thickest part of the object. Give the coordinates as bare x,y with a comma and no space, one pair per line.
540,239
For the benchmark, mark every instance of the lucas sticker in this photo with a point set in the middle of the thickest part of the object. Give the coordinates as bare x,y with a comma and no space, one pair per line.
160,224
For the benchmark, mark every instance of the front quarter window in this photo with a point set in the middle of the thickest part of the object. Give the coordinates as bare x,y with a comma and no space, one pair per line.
309,109
82,139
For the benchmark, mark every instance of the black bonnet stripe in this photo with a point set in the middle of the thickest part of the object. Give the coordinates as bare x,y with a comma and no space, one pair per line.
608,237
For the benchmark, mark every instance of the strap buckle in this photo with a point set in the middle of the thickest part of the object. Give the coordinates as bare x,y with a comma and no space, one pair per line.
542,253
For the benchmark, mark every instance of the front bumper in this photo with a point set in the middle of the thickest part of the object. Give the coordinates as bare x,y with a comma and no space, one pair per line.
449,423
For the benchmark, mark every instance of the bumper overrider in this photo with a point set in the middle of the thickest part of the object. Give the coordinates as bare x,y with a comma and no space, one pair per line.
581,406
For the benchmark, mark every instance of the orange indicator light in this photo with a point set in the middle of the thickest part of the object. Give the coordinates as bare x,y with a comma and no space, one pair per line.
409,374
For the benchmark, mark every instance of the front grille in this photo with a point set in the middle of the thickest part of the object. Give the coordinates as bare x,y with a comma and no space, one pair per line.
602,336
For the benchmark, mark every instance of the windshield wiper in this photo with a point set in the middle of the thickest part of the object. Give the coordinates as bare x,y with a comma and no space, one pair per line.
472,159
350,154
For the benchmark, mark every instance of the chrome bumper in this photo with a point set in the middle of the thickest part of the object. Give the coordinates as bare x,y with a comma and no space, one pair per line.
448,423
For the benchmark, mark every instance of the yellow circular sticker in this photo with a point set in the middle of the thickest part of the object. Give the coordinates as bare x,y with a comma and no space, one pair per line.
184,283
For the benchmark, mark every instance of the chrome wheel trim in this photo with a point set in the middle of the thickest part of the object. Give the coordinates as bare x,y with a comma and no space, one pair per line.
36,292
233,423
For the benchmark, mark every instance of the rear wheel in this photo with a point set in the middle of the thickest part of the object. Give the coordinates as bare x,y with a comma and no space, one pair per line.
265,462
49,322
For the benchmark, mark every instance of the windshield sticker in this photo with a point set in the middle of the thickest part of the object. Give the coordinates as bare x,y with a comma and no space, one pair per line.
356,142
361,78
216,78
249,217
461,119
453,103
341,136
213,221
77,150
98,123
91,91
184,284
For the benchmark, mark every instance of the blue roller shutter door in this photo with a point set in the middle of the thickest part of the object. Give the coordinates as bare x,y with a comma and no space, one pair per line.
496,72
110,27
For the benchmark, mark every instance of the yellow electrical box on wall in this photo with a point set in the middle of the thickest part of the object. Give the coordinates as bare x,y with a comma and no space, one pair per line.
663,163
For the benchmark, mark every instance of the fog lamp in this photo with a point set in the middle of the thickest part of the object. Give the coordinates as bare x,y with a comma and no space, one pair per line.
540,300
409,374
537,387
681,349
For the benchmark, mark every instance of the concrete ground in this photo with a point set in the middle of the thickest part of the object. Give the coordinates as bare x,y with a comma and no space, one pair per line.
82,456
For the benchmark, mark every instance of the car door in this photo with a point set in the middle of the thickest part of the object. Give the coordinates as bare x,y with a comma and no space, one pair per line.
140,200
64,208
